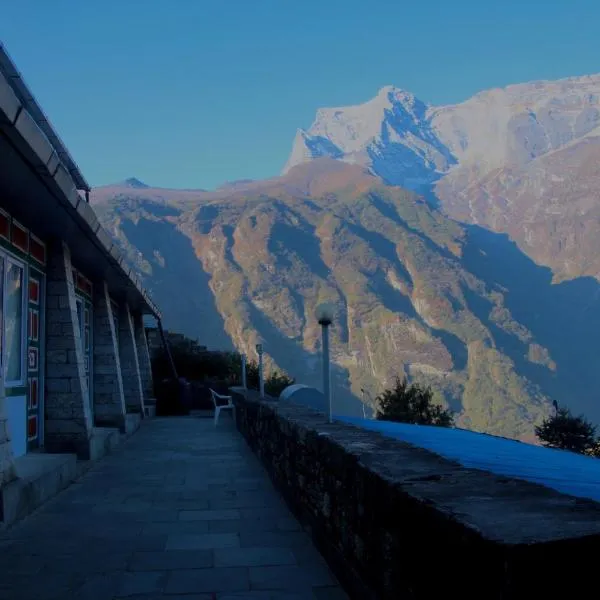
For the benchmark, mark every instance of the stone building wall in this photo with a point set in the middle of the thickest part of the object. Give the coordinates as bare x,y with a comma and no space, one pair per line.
396,521
68,421
6,459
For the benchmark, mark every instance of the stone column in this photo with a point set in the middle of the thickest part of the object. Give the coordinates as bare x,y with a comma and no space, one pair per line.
130,366
68,423
141,343
109,399
7,471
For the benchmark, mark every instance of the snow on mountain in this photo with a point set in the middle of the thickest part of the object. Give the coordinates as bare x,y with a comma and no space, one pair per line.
413,144
522,160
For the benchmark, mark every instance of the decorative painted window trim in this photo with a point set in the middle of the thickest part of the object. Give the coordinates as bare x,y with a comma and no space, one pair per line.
33,247
33,328
35,282
33,392
16,226
32,430
34,240
4,230
82,284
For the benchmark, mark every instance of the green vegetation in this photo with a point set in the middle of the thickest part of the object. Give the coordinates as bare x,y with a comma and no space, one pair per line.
411,404
568,432
275,382
197,366
211,365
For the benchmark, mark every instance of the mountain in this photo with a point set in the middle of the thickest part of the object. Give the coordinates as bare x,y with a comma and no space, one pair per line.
523,160
455,306
458,243
133,182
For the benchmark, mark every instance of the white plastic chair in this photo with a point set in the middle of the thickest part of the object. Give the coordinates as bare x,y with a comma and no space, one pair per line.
219,407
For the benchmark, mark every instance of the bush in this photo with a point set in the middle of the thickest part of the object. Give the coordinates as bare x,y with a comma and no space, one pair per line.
197,366
565,431
275,382
411,404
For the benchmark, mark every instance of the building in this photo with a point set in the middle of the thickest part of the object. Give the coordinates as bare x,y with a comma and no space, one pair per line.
73,350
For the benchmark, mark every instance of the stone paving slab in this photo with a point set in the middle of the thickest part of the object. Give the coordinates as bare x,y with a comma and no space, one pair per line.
180,511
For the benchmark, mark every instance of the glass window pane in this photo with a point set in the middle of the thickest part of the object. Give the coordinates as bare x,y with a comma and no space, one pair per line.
13,322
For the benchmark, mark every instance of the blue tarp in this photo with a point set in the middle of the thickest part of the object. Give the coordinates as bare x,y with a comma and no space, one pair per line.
563,471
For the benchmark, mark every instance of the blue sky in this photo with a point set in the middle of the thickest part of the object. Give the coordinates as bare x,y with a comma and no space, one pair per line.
192,93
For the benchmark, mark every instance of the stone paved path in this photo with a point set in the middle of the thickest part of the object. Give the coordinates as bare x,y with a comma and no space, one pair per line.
180,511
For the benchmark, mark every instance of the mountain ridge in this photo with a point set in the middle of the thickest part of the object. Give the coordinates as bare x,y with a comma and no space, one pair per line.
471,158
413,290
479,281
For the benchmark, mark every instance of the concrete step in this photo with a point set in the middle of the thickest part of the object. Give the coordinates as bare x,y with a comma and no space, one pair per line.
150,407
132,423
40,476
103,441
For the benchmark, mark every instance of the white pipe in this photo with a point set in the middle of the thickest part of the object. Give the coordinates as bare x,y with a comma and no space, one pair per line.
244,372
261,375
326,369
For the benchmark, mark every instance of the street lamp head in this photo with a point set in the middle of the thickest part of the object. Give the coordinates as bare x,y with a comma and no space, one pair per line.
325,313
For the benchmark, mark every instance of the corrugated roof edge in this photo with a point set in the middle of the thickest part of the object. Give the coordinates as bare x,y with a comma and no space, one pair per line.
72,178
27,99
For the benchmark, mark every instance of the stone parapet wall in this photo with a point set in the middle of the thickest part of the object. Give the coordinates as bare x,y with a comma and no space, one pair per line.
7,472
395,521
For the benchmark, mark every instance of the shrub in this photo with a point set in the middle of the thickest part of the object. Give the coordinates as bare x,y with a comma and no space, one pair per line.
197,366
406,403
565,431
275,382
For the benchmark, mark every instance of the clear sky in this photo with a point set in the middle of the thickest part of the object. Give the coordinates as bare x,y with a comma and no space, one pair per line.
193,93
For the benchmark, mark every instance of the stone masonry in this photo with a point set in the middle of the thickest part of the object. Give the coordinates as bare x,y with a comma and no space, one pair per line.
130,366
68,424
6,460
396,521
109,398
143,353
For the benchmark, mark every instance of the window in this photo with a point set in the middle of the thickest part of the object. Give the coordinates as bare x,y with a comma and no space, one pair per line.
13,322
34,290
37,249
19,237
4,225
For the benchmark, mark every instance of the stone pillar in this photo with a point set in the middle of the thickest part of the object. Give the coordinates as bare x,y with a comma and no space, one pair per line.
68,426
130,366
141,343
7,471
109,399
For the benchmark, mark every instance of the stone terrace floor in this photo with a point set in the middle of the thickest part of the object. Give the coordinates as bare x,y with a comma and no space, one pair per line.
182,511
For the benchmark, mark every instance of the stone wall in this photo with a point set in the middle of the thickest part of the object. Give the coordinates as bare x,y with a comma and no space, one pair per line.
143,353
68,416
7,472
130,366
109,398
395,521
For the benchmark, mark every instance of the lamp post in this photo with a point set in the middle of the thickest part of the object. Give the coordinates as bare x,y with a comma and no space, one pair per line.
261,374
325,313
244,372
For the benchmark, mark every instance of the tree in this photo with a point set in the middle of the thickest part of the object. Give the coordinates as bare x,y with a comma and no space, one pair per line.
406,403
275,382
565,431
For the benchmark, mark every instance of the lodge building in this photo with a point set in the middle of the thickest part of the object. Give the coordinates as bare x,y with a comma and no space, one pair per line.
75,368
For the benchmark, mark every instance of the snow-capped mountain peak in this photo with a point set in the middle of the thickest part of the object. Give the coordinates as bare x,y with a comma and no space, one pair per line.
412,144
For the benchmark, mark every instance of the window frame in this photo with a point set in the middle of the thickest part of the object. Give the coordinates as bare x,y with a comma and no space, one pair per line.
22,382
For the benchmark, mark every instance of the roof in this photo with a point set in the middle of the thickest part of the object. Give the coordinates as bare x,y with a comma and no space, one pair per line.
29,146
27,99
567,472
